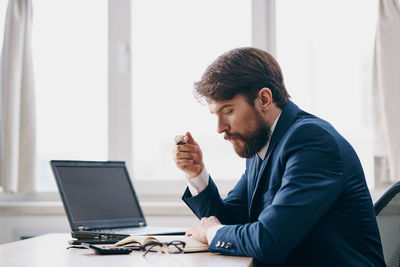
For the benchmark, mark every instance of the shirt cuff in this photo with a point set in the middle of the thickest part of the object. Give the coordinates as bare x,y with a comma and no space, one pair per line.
212,232
198,183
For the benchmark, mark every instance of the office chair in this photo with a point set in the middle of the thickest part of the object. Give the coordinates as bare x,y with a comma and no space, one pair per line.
387,210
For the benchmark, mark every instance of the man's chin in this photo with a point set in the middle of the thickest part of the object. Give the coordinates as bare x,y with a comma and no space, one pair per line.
241,148
240,151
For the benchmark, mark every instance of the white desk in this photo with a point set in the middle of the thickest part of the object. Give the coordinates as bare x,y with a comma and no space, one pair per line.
51,250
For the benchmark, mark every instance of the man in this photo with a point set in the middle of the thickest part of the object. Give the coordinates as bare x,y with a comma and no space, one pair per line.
303,198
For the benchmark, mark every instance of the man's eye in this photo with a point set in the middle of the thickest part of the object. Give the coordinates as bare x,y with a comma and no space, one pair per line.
229,112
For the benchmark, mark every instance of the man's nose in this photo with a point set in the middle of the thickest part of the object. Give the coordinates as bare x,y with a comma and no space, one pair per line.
222,126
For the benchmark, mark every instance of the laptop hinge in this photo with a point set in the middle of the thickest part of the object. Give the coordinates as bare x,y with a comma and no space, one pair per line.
80,228
141,224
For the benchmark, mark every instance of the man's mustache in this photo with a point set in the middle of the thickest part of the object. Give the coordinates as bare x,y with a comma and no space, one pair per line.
228,136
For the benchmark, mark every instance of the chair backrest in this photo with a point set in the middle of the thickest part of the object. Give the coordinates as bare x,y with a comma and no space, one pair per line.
387,210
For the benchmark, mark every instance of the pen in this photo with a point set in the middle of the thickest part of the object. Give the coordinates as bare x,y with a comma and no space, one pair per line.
181,143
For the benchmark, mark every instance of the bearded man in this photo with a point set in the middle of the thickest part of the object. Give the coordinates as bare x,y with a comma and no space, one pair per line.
302,199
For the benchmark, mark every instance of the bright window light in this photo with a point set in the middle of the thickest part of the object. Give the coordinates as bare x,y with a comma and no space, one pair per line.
325,49
172,44
70,67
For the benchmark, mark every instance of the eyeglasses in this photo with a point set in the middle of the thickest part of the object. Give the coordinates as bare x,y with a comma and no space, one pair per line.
173,247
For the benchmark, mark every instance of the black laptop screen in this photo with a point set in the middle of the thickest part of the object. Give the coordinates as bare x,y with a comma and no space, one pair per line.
98,193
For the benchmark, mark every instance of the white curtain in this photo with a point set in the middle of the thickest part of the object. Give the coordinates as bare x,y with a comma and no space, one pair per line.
18,119
386,93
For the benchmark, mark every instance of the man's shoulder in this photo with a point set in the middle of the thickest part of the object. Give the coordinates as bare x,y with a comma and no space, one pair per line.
301,127
310,131
311,125
303,119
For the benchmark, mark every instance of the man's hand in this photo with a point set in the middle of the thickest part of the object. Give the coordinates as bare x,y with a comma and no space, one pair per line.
199,229
187,155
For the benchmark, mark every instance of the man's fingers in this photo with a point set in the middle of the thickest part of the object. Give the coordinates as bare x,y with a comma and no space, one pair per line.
188,232
205,220
214,219
179,138
186,148
185,155
184,162
199,229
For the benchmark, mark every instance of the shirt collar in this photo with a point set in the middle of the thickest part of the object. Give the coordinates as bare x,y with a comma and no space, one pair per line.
263,150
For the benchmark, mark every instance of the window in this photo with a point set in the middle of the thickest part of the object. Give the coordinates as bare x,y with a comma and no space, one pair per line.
325,54
70,65
172,44
325,49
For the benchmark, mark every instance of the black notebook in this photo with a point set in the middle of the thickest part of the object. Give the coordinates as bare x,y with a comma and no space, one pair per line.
100,201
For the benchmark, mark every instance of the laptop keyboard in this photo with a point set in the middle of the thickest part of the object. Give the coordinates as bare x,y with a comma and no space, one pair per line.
129,230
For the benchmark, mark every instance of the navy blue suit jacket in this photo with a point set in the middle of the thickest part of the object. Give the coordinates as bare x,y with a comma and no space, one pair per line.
309,205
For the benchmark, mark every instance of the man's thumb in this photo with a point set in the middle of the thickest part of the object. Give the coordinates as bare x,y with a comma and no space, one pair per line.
190,139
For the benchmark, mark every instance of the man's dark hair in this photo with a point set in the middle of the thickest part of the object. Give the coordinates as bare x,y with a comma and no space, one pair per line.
242,71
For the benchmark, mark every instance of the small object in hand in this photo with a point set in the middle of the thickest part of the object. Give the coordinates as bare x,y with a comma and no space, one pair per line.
181,143
108,250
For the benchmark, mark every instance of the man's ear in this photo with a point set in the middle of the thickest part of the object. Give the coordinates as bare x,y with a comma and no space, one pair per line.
265,98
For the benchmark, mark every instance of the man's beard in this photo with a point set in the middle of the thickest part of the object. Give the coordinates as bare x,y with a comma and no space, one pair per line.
254,141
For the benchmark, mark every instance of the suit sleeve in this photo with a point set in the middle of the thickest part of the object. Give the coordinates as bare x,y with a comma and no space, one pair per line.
311,182
232,210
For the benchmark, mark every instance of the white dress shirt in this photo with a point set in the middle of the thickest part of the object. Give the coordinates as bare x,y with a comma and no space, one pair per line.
197,184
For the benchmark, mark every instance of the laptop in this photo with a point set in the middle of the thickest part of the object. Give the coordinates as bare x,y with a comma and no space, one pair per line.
100,201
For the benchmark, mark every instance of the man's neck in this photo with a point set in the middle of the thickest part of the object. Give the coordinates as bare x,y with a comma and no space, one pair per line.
263,150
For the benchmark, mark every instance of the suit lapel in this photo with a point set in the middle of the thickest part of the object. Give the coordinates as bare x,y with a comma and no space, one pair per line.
251,179
286,119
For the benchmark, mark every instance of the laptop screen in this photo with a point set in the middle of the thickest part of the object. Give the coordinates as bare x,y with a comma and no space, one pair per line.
97,194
